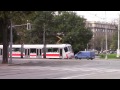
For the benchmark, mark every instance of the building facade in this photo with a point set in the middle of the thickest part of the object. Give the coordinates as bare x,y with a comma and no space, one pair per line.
101,30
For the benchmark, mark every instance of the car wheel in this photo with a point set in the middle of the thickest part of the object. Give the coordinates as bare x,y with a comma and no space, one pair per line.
87,58
76,57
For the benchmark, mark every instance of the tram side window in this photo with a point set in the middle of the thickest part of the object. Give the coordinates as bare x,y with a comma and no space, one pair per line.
52,50
66,49
32,50
0,51
49,50
55,49
16,49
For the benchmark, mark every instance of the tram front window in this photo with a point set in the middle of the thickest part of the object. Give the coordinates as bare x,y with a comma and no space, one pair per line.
66,49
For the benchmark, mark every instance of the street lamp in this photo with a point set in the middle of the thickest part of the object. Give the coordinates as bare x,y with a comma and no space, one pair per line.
106,36
118,50
11,38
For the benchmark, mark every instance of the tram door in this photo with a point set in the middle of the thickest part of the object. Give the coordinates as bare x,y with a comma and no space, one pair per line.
33,52
27,53
61,56
1,51
39,53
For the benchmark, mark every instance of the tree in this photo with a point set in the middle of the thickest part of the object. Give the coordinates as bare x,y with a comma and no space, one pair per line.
42,17
75,32
5,18
70,27
114,43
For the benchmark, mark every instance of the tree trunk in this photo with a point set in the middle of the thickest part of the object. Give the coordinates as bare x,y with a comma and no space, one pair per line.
3,26
5,47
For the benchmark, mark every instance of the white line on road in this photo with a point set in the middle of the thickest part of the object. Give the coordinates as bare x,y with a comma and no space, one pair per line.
71,77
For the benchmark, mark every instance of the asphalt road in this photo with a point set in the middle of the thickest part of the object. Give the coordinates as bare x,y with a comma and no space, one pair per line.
60,69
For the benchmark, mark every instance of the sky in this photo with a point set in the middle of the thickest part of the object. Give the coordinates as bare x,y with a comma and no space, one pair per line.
100,15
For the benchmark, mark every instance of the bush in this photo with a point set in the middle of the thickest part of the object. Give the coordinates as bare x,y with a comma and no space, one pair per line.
110,56
102,55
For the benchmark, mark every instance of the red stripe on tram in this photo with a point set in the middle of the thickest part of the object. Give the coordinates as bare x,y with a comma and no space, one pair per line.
52,54
16,54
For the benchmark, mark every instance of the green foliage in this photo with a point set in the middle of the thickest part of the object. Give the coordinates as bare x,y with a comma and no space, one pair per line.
113,45
15,36
70,26
42,17
5,18
18,18
102,55
74,30
110,56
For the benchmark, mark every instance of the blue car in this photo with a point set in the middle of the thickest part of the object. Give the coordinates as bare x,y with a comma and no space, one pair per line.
85,55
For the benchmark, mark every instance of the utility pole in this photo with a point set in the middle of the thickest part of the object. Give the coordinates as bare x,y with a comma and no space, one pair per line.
87,46
118,50
106,36
11,40
93,42
44,42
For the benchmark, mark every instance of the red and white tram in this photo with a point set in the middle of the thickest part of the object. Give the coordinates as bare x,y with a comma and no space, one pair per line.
36,51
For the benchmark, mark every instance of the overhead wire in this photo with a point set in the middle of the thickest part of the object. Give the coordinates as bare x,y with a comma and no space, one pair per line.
94,15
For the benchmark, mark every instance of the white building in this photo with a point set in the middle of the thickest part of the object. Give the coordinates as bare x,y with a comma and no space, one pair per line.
100,29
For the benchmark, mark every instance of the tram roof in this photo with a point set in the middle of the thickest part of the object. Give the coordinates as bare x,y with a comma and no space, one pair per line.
38,45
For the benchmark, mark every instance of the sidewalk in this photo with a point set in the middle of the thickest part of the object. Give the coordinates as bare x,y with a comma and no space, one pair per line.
97,57
18,61
15,62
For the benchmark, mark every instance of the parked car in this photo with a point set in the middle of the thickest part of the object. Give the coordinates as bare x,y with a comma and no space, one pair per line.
85,55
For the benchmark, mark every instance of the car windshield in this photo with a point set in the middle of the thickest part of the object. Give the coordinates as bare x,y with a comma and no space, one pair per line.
79,52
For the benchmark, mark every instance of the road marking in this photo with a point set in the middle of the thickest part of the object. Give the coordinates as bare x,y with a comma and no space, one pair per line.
62,68
71,77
